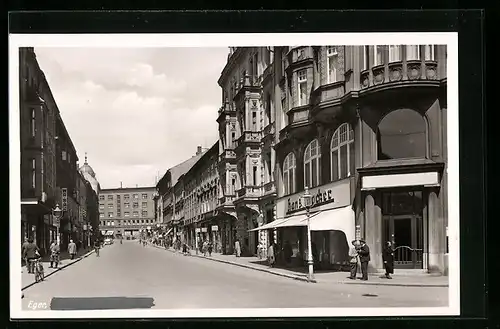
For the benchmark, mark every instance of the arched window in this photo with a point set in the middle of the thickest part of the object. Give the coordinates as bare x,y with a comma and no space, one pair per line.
401,135
312,158
342,152
289,167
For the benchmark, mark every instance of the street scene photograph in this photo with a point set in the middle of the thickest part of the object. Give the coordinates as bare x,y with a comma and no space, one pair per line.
234,176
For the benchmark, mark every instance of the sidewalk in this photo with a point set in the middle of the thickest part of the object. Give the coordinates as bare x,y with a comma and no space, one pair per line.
27,279
404,279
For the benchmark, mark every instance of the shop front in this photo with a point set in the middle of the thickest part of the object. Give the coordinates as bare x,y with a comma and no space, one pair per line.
332,224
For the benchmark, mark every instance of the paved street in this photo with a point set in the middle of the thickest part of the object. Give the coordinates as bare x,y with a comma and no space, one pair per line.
132,276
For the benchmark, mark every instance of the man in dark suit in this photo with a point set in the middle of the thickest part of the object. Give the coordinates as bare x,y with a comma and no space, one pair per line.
364,258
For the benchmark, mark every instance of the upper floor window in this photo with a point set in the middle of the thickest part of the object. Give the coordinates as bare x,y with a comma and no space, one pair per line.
136,214
110,206
401,135
302,87
126,213
144,204
136,205
378,55
429,53
289,169
312,157
126,197
144,213
136,196
33,173
101,206
144,196
110,214
365,52
63,155
101,197
342,152
126,205
110,197
101,215
332,63
33,123
412,52
394,53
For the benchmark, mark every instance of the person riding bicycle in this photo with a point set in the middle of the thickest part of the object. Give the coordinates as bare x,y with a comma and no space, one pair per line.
30,251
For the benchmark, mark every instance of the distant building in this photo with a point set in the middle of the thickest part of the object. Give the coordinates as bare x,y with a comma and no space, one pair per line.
92,187
125,212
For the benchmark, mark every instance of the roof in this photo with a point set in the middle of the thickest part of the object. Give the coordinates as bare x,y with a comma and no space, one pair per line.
182,168
127,189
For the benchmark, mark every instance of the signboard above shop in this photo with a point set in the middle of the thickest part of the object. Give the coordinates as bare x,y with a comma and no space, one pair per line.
327,196
64,199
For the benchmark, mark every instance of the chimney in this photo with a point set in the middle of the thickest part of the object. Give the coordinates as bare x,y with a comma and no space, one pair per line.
121,185
198,151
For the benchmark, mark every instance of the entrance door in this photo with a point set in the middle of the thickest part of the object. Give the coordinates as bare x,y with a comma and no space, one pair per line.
405,232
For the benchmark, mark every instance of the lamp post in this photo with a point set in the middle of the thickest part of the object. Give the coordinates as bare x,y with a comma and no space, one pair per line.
57,213
310,261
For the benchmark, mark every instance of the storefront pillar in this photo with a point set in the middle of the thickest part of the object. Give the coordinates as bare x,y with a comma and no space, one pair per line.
437,232
372,231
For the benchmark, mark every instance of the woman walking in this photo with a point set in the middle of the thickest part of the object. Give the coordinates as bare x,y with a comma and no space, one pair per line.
270,255
388,258
237,248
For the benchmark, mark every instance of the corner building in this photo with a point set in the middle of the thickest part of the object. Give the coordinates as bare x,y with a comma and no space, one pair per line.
364,127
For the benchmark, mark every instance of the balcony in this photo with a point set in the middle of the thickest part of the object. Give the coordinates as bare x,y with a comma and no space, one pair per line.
226,200
247,139
225,110
227,156
249,192
298,115
269,189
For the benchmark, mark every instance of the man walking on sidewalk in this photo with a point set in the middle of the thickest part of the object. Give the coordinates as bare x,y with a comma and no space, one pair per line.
54,254
353,255
72,249
364,258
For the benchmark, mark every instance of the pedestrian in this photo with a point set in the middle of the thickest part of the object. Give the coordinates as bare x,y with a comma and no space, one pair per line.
388,258
210,248
237,248
23,248
97,246
364,258
353,255
205,248
30,253
288,252
270,255
55,249
72,249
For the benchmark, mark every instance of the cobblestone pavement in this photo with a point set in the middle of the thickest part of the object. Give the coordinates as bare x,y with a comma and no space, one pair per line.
131,276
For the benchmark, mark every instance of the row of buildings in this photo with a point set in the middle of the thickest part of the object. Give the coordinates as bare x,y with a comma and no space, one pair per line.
50,174
363,127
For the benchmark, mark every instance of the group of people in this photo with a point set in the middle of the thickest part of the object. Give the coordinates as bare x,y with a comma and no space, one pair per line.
30,252
361,251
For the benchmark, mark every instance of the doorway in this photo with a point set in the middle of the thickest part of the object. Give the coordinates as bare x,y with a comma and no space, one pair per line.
403,226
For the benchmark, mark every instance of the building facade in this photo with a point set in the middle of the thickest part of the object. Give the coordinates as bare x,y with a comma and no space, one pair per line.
363,127
201,197
38,111
126,212
92,188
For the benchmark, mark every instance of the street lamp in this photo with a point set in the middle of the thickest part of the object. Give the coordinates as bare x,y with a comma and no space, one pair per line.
310,261
57,213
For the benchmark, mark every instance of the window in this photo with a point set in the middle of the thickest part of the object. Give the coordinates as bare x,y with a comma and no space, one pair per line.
254,120
101,205
312,158
110,206
144,213
63,155
429,53
144,204
136,196
394,53
136,214
302,87
110,197
126,205
366,57
378,53
127,214
412,53
332,63
136,205
101,197
289,168
33,123
33,173
126,197
110,214
69,157
401,135
144,196
254,175
342,152
118,214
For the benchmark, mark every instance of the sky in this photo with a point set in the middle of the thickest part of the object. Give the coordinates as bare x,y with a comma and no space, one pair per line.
136,111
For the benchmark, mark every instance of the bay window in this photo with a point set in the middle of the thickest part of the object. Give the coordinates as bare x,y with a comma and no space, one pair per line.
332,64
302,87
289,168
412,52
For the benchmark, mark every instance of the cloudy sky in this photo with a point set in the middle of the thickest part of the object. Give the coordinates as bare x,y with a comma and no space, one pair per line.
136,112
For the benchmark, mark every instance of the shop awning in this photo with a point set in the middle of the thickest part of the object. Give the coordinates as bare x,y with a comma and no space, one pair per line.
297,220
340,219
269,225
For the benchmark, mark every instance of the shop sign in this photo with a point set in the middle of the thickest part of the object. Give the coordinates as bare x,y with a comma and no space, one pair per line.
337,192
204,229
215,228
64,201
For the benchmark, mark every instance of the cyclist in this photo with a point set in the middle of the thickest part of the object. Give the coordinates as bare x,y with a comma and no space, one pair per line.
30,251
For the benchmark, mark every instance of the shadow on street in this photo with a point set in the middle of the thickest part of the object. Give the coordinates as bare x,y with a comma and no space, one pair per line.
302,269
100,303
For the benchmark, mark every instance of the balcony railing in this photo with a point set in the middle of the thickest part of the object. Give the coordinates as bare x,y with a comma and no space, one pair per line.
227,155
298,114
249,191
269,188
248,137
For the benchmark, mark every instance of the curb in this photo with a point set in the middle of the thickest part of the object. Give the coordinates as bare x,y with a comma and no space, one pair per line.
59,268
300,278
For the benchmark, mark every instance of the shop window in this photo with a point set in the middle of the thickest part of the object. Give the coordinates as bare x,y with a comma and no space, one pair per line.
401,135
312,157
342,152
289,168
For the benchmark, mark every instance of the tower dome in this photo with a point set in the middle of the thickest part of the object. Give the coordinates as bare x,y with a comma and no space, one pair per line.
89,174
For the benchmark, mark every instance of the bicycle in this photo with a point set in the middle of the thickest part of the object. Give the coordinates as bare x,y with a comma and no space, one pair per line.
39,271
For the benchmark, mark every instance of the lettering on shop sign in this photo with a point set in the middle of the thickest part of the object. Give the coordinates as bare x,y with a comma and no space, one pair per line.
64,201
319,198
